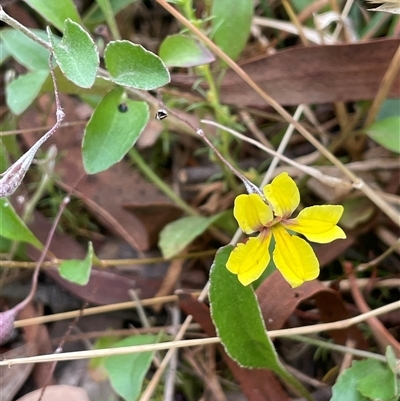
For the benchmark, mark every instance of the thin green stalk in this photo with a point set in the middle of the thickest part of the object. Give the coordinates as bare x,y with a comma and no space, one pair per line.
336,347
149,173
294,383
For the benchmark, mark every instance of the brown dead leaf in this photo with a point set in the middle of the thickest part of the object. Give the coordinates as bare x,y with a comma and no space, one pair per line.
146,213
314,74
256,384
170,281
105,286
59,393
104,193
12,379
38,335
278,301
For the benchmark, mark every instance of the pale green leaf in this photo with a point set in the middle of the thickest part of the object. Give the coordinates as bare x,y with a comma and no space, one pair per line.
55,11
127,372
78,271
112,130
386,132
25,50
132,65
184,51
76,54
231,25
12,227
176,236
22,91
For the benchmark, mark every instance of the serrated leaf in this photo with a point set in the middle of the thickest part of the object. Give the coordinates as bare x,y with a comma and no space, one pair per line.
26,51
176,236
76,54
12,227
132,65
231,25
78,271
386,132
110,133
55,12
237,318
184,51
21,92
127,372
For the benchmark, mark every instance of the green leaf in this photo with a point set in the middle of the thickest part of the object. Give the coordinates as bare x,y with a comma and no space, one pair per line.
346,385
127,372
26,51
110,132
21,92
386,132
237,318
389,108
184,51
175,236
96,16
55,12
78,271
4,53
231,25
76,54
12,227
132,65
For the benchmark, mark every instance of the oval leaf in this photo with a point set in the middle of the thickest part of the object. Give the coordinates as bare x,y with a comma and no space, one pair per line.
55,12
112,130
26,51
132,65
184,51
12,227
76,54
127,372
232,25
386,132
21,92
175,236
239,323
78,271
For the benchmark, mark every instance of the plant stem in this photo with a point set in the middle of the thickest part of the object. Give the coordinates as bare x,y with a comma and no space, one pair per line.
19,27
149,173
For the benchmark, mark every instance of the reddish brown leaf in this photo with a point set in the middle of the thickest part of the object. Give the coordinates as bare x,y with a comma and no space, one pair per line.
59,393
104,193
256,384
314,74
278,301
104,287
146,213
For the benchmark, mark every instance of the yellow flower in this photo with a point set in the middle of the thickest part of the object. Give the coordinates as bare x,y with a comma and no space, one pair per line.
293,256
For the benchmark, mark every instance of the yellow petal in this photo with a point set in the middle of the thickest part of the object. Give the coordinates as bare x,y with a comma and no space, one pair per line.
251,212
283,195
294,257
249,260
318,223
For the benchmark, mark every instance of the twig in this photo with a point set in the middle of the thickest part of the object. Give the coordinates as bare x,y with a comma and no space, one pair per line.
8,184
14,175
359,183
171,346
